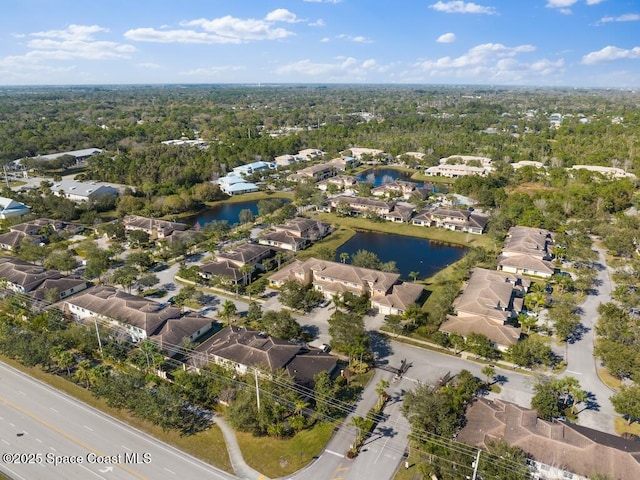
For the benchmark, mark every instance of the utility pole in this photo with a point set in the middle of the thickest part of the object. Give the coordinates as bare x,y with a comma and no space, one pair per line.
95,321
475,466
255,373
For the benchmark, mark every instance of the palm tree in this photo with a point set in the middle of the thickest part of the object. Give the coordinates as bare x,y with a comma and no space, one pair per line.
360,424
344,256
229,310
83,373
489,372
246,271
414,276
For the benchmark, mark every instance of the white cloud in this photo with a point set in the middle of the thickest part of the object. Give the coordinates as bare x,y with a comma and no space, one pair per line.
325,40
239,29
626,17
222,30
458,6
343,68
318,23
282,15
149,65
563,5
357,38
610,54
176,36
446,38
491,62
74,42
213,71
560,3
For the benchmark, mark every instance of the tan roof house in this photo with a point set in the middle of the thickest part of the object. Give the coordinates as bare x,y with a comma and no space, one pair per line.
558,449
455,219
296,234
489,304
140,317
35,280
241,349
361,204
315,173
527,251
387,294
152,226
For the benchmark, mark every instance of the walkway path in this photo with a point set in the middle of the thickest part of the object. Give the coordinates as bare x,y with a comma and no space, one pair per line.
240,467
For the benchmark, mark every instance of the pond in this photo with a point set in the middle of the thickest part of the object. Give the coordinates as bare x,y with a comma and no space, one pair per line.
410,254
227,211
380,176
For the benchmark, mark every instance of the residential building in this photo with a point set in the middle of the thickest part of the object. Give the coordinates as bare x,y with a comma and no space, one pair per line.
286,160
400,189
315,173
527,250
452,219
357,205
10,208
558,450
82,191
254,167
455,171
36,230
465,160
152,226
176,332
358,152
79,155
343,183
228,264
296,234
311,153
344,163
609,172
37,281
489,304
243,349
139,317
385,291
234,184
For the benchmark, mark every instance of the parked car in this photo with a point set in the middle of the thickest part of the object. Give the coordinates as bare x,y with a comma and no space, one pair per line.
325,347
324,302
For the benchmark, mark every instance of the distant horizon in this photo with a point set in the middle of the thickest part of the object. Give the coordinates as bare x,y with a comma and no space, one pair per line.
320,84
538,43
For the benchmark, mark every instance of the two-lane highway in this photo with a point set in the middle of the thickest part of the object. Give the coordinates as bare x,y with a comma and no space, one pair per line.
46,434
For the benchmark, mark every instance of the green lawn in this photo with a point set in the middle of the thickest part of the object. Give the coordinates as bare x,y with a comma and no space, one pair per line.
337,238
279,458
429,233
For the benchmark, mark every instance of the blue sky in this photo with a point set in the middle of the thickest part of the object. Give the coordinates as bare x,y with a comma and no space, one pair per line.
581,43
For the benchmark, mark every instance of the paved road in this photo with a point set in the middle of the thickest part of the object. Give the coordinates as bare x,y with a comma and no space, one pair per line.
581,363
36,419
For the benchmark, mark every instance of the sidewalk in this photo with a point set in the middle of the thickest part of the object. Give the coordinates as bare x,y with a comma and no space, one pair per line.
240,467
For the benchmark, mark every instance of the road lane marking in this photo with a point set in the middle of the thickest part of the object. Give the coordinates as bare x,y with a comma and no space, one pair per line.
22,393
5,442
172,473
575,373
38,440
53,409
88,428
335,453
11,424
126,448
68,437
91,471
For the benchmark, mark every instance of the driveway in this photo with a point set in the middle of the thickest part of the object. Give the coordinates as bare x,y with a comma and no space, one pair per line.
581,363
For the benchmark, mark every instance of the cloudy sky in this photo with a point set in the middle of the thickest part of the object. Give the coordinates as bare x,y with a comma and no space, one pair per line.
591,43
